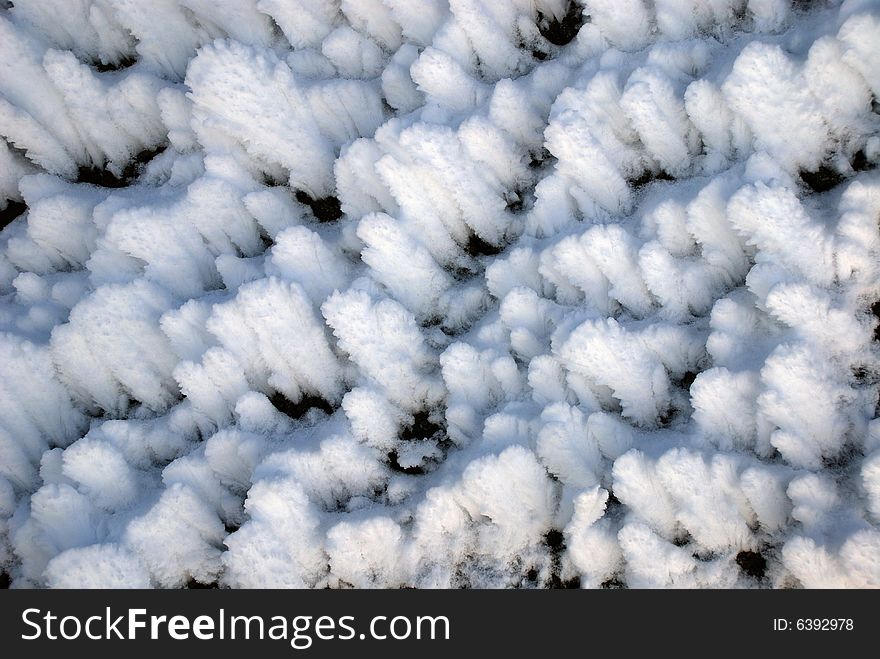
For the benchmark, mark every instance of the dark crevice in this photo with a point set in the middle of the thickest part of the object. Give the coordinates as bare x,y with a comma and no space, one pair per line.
538,159
421,428
130,406
688,379
514,202
562,32
13,210
100,177
861,373
614,583
265,242
822,179
5,581
296,410
540,56
387,109
126,62
808,4
277,32
682,540
326,209
476,246
394,464
612,502
666,418
875,309
648,176
555,542
860,162
842,460
435,321
146,156
574,583
460,579
461,273
106,179
456,330
192,584
271,182
752,563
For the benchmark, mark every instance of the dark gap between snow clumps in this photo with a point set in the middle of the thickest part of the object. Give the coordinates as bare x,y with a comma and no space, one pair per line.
106,179
875,309
515,202
538,159
822,179
540,56
106,67
327,209
296,410
649,176
422,428
825,177
842,460
688,379
666,418
682,540
555,542
752,564
192,584
860,161
13,210
562,32
394,464
476,246
612,502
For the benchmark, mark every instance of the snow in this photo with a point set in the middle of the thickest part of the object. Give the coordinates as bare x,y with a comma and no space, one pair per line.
97,566
626,25
276,547
278,135
178,539
375,563
433,293
272,329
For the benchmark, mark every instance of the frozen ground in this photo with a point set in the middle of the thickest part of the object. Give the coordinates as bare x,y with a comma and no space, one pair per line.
488,293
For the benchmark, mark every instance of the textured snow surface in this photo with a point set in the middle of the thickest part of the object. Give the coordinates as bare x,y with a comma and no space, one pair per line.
439,293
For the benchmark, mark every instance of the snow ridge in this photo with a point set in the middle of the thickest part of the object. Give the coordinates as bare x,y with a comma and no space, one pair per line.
439,293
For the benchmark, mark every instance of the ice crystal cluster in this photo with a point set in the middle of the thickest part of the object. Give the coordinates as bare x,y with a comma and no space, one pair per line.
439,293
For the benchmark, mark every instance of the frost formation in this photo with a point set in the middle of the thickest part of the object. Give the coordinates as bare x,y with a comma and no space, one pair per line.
439,293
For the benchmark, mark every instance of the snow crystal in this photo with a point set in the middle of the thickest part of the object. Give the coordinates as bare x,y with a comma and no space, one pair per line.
439,293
